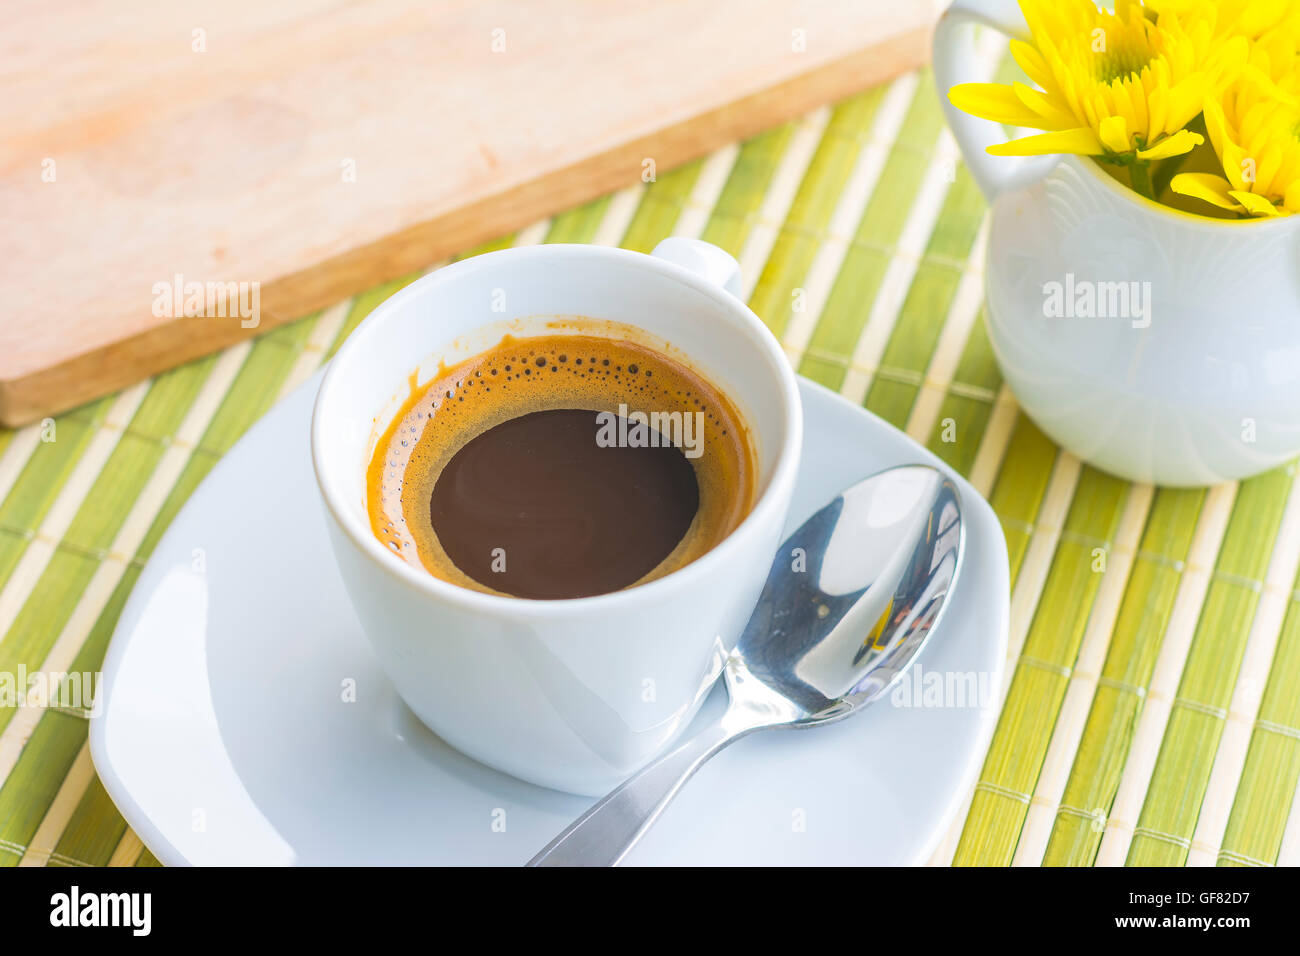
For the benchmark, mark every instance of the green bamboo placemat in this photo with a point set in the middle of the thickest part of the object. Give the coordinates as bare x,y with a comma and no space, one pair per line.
1150,713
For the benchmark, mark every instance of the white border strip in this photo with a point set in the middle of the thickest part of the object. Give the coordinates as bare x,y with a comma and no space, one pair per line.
60,811
619,214
1252,679
780,197
849,209
1144,748
40,550
967,302
16,455
709,184
1072,719
901,272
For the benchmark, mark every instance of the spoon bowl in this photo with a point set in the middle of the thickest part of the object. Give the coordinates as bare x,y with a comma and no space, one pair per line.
853,595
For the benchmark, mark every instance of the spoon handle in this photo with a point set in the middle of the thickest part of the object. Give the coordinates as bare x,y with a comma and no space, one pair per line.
604,834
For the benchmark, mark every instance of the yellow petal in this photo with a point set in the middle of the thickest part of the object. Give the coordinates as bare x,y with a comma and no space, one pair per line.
1270,162
1185,101
1208,187
1292,201
993,101
1256,17
1181,142
1255,205
1216,124
1081,142
1113,133
1236,164
1052,115
1032,62
1157,109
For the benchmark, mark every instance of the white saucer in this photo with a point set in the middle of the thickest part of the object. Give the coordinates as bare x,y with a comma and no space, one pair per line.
225,739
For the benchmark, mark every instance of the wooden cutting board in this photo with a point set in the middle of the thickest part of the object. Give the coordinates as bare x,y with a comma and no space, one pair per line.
316,148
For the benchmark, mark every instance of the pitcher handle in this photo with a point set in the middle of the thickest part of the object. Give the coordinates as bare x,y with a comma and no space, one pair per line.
954,63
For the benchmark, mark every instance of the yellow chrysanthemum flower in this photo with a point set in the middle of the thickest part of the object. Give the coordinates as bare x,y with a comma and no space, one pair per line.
1119,86
1255,129
1244,18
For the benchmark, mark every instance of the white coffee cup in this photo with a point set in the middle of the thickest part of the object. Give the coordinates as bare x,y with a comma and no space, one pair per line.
571,694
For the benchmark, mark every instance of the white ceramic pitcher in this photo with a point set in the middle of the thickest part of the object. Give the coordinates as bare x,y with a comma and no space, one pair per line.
1155,344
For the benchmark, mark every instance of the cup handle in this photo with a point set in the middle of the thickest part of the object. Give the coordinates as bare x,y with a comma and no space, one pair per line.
954,63
704,259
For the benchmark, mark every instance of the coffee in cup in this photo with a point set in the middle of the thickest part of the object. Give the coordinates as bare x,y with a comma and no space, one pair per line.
561,465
